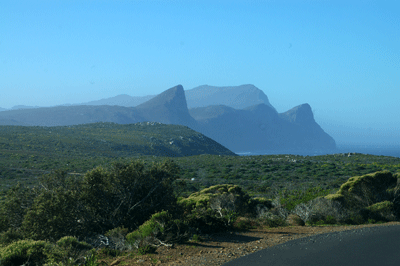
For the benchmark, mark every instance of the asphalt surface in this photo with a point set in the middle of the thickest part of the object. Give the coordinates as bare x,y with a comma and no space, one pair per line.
372,246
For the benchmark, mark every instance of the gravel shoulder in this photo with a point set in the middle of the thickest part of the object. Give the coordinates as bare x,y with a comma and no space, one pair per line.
218,249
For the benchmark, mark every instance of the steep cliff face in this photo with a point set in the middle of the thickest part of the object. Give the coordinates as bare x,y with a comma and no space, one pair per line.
301,114
169,107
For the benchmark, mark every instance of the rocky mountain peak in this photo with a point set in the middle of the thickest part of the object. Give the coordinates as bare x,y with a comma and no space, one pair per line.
169,107
171,98
301,114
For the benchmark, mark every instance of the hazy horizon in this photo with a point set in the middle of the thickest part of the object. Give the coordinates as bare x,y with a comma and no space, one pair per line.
341,57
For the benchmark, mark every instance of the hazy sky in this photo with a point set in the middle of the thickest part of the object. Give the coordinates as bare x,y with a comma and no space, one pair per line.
341,57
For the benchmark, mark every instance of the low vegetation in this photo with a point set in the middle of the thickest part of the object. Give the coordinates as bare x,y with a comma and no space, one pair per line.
69,220
87,206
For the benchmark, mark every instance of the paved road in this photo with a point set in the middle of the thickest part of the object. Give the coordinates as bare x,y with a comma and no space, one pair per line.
372,246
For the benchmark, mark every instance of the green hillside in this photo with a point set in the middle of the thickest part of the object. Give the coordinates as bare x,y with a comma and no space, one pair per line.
27,152
109,140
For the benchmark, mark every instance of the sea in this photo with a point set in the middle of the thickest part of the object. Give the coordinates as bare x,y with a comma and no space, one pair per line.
384,150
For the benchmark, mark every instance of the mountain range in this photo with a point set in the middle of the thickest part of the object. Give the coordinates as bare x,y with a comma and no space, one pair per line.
237,97
254,125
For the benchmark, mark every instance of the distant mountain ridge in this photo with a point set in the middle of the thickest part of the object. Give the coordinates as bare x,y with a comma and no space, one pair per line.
17,107
122,100
254,128
260,127
237,97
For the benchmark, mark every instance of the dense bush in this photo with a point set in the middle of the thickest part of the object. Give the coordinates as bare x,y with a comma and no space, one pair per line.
9,236
69,251
116,238
17,202
103,199
216,208
331,212
25,252
160,229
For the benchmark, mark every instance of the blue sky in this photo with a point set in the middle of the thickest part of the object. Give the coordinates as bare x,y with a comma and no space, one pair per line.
341,57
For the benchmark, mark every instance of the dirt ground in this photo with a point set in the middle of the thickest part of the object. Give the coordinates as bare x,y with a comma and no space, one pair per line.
217,249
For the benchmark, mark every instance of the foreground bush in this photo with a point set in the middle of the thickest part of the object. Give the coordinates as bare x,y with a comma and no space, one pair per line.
160,230
363,191
123,195
67,251
9,236
25,252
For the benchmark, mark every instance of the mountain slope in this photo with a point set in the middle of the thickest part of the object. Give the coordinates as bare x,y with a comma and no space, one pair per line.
111,140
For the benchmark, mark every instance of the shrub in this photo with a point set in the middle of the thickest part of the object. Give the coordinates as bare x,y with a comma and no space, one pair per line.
273,217
69,251
243,224
323,209
257,203
382,211
116,238
52,216
216,208
295,197
9,236
218,197
294,220
303,210
127,194
363,191
196,238
272,220
122,195
13,209
204,220
25,252
159,230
